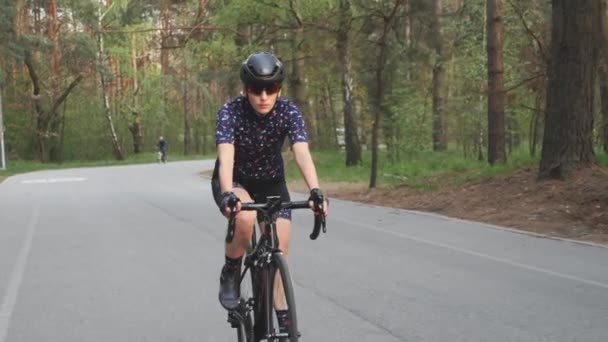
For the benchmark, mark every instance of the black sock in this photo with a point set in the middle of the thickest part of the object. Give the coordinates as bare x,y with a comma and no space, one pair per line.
283,318
233,264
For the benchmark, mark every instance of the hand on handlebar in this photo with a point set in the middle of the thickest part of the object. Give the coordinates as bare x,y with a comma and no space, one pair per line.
317,202
229,203
319,205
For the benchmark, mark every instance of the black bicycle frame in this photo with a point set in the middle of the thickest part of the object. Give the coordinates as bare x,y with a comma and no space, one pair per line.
259,260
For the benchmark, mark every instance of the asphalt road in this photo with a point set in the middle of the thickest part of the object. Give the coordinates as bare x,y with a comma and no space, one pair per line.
133,253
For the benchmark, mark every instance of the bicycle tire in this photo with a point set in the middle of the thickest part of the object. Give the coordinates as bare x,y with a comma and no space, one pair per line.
245,328
280,265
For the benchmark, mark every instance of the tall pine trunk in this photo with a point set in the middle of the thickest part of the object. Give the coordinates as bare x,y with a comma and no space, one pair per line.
439,122
103,68
55,119
136,128
377,98
603,79
297,82
187,123
351,137
165,36
568,136
496,95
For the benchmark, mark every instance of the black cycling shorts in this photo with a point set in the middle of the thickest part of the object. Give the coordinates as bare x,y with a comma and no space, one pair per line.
259,190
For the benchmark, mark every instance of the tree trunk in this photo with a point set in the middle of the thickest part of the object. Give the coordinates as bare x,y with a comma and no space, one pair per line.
407,37
136,131
377,100
53,35
603,74
103,69
407,26
199,121
187,124
568,136
55,119
136,128
333,135
43,116
296,81
496,95
165,25
242,41
535,123
439,124
37,11
603,79
2,150
478,141
62,133
351,137
320,108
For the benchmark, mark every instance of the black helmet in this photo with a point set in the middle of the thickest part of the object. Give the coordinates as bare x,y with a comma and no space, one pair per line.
262,67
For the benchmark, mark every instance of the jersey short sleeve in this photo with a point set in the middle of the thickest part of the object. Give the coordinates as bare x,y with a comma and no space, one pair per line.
224,133
296,126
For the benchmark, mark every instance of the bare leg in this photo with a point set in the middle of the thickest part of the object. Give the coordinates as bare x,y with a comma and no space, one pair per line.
243,228
229,278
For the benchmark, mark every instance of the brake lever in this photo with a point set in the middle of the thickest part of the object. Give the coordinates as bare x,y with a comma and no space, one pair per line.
231,224
323,224
319,223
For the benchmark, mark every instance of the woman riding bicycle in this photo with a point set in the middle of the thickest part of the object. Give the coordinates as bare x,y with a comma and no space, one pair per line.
250,132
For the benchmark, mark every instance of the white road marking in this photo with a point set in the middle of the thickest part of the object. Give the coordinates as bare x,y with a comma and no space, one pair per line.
480,255
53,180
12,292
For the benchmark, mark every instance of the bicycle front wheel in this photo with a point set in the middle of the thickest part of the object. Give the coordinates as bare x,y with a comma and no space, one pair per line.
287,301
245,326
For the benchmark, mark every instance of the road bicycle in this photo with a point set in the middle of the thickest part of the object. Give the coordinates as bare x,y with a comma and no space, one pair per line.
254,316
161,157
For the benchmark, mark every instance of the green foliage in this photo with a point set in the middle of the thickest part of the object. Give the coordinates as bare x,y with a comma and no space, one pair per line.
78,50
602,158
249,12
202,69
7,22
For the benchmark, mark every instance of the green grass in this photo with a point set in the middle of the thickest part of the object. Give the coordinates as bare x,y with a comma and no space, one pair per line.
22,166
602,158
417,169
425,170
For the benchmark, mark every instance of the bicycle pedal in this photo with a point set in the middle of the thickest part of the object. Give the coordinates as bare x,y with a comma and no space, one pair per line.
233,320
283,335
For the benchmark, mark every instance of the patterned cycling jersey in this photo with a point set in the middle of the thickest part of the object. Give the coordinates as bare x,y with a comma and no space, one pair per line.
258,139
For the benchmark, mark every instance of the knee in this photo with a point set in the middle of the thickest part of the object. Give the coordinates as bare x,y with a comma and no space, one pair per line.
244,223
284,234
245,217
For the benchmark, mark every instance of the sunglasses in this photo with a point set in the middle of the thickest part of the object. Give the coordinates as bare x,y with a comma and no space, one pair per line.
257,89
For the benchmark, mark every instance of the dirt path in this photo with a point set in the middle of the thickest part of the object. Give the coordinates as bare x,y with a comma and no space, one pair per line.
574,209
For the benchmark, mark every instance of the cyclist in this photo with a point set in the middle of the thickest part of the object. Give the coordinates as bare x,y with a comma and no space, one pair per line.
162,148
250,132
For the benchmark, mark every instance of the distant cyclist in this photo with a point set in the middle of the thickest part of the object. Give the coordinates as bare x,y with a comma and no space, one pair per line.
250,132
162,149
